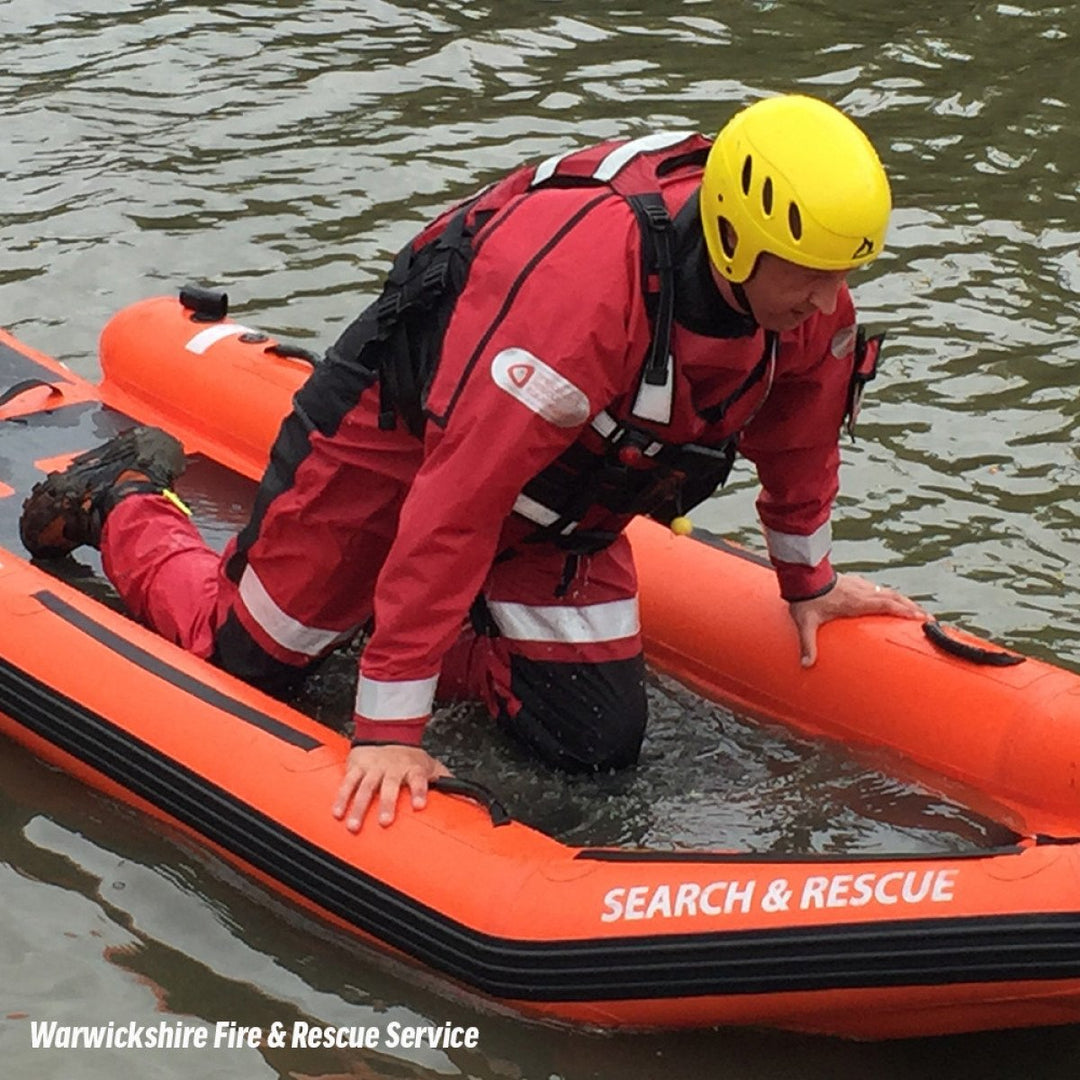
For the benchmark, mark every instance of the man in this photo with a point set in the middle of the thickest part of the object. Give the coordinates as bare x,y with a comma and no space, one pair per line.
586,340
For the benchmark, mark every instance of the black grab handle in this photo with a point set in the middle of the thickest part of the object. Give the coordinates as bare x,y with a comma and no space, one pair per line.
972,653
452,785
13,391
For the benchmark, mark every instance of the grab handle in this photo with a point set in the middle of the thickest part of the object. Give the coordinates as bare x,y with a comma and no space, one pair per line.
469,789
972,653
13,391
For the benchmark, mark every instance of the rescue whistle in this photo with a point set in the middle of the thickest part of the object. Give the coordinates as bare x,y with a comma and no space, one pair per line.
681,526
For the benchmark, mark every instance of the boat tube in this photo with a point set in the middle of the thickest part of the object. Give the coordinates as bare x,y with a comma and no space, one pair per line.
861,946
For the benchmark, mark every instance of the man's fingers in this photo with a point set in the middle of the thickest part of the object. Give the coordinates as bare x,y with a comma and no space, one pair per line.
388,796
341,800
374,777
418,788
890,602
419,782
852,596
808,641
904,605
345,792
361,799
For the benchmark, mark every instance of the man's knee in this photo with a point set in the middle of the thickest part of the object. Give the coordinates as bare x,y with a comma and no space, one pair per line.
238,653
579,717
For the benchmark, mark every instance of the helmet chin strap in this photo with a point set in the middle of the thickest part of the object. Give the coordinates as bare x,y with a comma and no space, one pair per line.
738,293
742,299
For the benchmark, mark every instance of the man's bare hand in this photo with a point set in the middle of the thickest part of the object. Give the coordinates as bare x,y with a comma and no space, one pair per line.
850,596
376,774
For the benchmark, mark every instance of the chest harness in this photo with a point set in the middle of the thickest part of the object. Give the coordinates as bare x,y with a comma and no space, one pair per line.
617,465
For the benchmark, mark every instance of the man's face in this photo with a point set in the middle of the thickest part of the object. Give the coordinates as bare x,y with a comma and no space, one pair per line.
783,295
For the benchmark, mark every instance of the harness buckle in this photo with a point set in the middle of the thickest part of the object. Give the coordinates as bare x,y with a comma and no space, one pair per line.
388,306
629,444
434,277
867,351
656,215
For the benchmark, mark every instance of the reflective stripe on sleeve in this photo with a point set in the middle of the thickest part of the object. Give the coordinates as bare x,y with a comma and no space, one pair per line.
280,626
610,621
800,550
406,700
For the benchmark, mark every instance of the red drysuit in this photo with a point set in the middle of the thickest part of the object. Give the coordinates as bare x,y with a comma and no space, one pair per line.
509,470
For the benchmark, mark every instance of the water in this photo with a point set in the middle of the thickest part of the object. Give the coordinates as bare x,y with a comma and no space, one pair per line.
706,778
283,151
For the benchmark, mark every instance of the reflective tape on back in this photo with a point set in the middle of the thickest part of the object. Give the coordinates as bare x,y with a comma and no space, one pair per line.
619,157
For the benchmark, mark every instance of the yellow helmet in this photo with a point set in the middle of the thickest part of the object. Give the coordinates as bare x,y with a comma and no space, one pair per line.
793,176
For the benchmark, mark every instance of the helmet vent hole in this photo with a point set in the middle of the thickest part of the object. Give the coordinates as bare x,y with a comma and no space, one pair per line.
766,196
794,221
729,238
747,174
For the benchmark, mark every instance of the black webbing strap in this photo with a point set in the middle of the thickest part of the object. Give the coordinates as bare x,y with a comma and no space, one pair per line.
21,387
658,262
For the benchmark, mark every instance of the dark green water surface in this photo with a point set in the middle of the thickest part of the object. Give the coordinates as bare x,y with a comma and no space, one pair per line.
284,150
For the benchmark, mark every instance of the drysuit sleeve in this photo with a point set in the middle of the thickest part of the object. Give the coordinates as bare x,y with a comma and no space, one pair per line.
544,335
794,444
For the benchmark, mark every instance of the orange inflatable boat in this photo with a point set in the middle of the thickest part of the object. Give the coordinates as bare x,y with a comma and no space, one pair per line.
861,946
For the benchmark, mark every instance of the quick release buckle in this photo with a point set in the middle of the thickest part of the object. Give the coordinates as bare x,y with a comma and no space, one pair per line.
434,277
867,352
